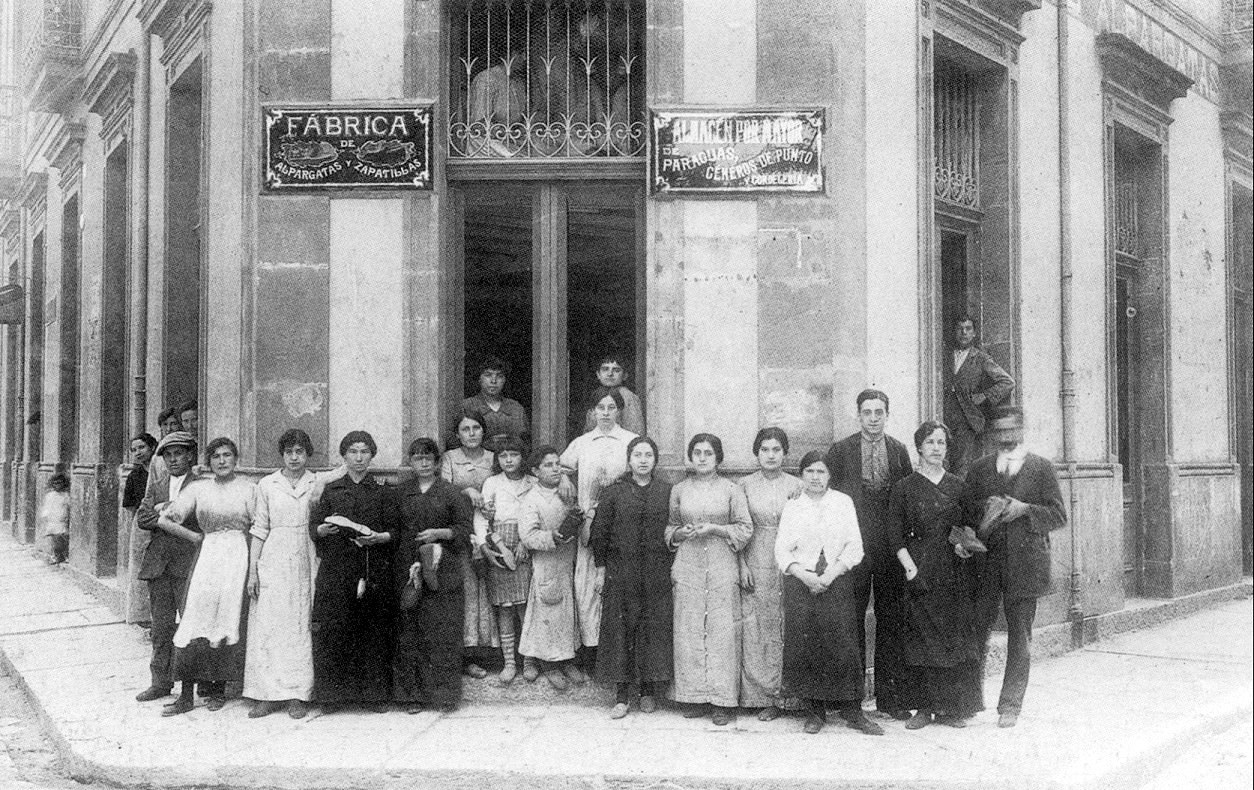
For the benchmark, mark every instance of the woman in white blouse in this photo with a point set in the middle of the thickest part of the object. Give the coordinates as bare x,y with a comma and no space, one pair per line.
817,545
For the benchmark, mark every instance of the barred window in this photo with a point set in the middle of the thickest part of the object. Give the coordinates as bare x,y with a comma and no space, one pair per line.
547,79
957,133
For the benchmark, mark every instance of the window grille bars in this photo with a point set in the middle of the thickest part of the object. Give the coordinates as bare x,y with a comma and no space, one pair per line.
547,79
957,135
1127,224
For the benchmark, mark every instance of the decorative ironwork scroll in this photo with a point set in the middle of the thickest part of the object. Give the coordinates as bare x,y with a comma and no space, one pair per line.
547,79
957,135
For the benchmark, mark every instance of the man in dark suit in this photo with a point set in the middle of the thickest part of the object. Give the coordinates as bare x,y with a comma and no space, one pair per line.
167,559
865,466
1015,494
973,384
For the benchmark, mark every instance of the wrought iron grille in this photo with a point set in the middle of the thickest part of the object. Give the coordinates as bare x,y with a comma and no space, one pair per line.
1127,224
56,32
547,79
957,135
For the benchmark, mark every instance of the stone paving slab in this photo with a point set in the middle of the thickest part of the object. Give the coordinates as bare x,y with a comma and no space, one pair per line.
1100,717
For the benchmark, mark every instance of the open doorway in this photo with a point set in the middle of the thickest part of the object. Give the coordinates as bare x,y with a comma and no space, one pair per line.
552,278
182,317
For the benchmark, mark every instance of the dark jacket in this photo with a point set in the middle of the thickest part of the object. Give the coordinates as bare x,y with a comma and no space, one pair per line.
978,374
342,562
443,506
844,464
165,554
628,539
1023,544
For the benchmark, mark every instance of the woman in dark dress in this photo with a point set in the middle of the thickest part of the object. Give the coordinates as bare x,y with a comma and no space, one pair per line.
353,594
941,650
628,540
433,512
817,546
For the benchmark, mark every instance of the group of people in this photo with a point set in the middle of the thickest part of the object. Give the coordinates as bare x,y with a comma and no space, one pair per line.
718,594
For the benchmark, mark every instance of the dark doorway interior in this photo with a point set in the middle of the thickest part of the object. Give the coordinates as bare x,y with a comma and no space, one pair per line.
183,243
1242,348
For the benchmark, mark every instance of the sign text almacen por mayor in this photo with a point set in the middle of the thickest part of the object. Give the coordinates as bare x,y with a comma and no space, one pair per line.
749,150
347,147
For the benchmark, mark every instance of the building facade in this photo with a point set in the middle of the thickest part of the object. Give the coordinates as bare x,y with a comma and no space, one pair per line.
1075,176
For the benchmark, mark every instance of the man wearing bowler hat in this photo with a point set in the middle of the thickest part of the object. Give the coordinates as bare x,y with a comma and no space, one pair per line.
1014,496
167,559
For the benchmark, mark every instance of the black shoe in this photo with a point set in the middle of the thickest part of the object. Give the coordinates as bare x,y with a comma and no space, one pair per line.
919,720
862,724
814,724
179,706
215,703
152,693
898,715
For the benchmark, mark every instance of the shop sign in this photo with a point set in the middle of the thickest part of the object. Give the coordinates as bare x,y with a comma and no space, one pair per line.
736,151
1119,16
347,147
12,304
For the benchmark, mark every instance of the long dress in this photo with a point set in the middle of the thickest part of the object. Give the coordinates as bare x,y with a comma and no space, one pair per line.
352,635
762,642
279,656
822,657
706,582
207,640
598,459
428,663
941,645
549,632
506,587
629,541
479,627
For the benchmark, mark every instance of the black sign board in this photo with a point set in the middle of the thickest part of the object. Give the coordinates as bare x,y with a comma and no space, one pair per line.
347,147
12,304
736,151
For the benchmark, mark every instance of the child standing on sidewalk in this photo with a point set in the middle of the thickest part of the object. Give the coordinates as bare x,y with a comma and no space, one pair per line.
54,515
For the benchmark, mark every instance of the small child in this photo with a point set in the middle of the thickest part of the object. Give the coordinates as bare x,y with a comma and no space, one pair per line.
55,517
549,634
502,416
503,495
612,374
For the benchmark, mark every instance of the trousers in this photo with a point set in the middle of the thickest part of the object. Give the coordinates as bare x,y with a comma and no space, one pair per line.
165,596
1020,613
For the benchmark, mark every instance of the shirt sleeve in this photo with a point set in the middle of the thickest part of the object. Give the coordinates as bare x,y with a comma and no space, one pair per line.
446,468
146,516
1048,513
602,524
676,519
184,505
531,532
481,525
569,458
464,515
786,538
740,525
261,515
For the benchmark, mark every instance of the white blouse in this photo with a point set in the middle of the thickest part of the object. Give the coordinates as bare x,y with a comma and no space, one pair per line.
598,459
828,525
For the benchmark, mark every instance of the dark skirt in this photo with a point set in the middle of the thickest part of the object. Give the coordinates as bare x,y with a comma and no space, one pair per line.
955,691
200,662
822,659
353,655
427,666
637,628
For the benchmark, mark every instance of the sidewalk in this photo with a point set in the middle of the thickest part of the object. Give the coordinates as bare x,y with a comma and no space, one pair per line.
1108,716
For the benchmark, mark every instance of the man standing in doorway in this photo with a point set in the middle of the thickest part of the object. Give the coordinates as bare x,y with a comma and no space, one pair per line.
865,466
167,559
973,384
189,418
1014,496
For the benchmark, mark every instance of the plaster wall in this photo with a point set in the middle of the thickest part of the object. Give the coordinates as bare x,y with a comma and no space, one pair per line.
158,96
50,412
90,278
1088,244
1198,295
893,331
225,247
1039,376
366,254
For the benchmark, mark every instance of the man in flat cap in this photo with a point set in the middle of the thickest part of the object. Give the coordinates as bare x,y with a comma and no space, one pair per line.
167,559
1014,496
